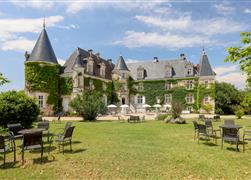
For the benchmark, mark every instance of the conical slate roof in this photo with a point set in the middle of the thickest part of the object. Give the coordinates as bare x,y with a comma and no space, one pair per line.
121,65
205,67
43,50
78,62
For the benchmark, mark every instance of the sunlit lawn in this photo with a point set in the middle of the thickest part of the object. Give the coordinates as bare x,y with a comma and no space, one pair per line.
152,150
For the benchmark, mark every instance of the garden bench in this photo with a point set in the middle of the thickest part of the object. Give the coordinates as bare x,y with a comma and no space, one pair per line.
134,119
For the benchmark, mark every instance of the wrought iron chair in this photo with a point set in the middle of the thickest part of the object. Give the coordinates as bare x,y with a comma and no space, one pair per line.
209,125
44,125
202,131
246,137
195,125
13,129
201,117
62,130
4,148
230,135
32,141
66,137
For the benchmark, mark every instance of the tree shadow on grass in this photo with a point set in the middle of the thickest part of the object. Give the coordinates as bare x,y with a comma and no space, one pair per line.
9,165
47,159
68,151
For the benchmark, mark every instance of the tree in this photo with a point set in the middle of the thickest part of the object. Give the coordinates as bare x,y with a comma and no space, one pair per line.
88,105
242,55
17,107
227,96
3,80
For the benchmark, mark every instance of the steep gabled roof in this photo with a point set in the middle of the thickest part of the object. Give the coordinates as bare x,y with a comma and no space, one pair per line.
121,65
205,67
43,50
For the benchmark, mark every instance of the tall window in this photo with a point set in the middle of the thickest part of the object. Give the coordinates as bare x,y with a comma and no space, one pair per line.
123,76
189,84
189,71
168,72
189,98
102,72
40,101
104,86
140,99
140,74
206,99
140,87
189,108
91,85
168,85
168,98
206,84
90,68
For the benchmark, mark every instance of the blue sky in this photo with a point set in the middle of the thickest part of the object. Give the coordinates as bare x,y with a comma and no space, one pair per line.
139,30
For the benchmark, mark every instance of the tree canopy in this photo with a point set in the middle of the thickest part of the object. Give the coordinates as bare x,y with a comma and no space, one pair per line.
3,80
242,54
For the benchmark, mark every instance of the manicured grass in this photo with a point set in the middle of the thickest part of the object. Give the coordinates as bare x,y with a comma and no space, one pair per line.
149,150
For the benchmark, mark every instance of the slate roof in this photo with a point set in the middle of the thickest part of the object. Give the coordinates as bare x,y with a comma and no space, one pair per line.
157,70
205,67
121,65
80,57
43,50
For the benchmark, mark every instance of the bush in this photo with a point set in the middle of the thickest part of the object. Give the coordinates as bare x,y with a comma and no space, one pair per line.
239,113
88,105
162,117
207,107
177,108
16,107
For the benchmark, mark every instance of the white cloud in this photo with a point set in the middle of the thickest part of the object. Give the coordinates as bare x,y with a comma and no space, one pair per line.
34,4
61,61
224,9
167,40
128,61
12,29
21,44
247,11
231,74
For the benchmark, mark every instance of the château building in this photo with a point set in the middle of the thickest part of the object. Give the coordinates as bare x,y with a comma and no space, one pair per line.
135,84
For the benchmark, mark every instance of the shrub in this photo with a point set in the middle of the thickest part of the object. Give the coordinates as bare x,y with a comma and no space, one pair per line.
162,117
239,113
16,107
207,107
88,105
177,108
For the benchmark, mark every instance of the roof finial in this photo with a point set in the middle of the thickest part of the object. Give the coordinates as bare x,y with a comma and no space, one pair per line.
203,47
44,23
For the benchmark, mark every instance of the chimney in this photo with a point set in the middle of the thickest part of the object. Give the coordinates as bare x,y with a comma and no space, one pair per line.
26,55
109,61
98,55
90,51
155,59
182,56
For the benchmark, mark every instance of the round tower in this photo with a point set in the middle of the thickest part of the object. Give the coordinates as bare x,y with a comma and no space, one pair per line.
42,75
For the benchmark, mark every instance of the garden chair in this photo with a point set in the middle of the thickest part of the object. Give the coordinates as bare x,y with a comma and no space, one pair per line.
201,117
209,125
202,131
4,148
246,137
14,129
66,137
32,141
67,125
195,125
216,117
44,125
229,122
230,135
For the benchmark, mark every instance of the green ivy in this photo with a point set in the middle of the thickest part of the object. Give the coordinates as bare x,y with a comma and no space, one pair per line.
44,77
66,85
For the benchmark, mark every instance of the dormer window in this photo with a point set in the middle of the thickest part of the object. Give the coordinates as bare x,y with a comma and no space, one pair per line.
189,71
102,70
90,67
140,73
168,71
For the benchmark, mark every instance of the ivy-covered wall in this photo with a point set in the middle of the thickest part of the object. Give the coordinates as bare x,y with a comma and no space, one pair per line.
44,77
66,85
108,90
153,89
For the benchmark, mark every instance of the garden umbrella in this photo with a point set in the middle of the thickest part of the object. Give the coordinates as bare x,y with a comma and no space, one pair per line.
146,105
124,106
167,106
157,105
111,106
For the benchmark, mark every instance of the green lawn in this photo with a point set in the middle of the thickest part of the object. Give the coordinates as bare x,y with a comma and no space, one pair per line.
149,150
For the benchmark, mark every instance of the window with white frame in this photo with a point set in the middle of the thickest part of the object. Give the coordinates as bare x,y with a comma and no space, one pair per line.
140,74
90,68
206,99
189,108
189,98
104,86
189,71
140,99
140,87
91,85
189,84
102,71
168,72
124,87
168,85
40,101
123,76
206,84
168,98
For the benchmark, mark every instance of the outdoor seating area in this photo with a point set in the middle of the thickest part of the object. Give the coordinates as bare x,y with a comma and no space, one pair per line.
18,138
227,132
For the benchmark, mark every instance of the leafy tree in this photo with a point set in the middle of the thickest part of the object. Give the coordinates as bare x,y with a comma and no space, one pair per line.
207,107
88,105
3,80
238,111
177,108
242,54
16,107
226,97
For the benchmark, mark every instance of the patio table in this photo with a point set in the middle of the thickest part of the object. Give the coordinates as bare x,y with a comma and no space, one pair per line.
231,126
29,131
